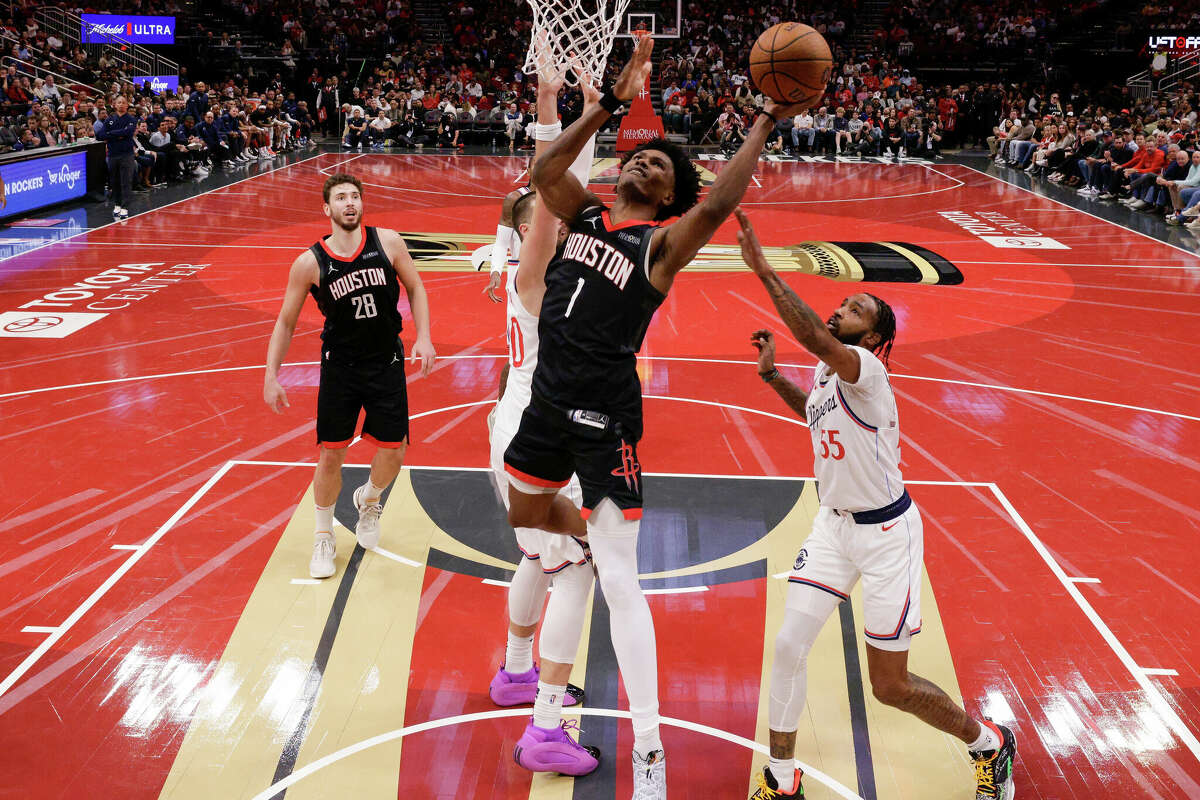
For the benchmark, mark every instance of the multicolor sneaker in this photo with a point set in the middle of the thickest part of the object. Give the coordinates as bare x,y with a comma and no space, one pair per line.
767,788
520,688
650,776
367,527
555,750
994,768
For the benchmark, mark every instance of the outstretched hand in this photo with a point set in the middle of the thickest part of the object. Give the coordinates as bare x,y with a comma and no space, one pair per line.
752,252
633,78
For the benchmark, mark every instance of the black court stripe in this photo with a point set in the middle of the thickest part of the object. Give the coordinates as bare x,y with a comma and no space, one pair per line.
863,763
316,671
602,684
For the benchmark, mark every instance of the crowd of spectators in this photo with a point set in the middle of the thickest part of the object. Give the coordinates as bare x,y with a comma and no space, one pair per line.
1145,156
471,89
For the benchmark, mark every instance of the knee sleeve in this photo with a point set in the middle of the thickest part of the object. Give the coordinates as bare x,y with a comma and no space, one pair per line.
789,673
527,593
559,641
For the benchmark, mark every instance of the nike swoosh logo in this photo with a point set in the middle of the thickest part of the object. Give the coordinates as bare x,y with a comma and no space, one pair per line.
889,527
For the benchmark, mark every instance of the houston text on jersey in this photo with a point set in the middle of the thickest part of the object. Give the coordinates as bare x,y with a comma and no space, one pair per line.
599,255
371,276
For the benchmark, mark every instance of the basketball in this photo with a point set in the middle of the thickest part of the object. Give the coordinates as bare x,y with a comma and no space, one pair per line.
791,63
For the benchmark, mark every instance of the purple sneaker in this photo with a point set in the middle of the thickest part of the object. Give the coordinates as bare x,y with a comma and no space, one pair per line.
554,750
520,688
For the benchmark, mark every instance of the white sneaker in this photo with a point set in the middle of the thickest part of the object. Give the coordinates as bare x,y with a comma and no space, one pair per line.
1138,205
650,776
321,565
117,211
367,528
124,213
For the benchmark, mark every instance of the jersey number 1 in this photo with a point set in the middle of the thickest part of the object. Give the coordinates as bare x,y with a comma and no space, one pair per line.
574,297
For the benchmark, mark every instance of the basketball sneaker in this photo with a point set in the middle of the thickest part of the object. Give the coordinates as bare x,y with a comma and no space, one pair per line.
520,688
994,768
367,527
650,776
555,750
321,565
767,788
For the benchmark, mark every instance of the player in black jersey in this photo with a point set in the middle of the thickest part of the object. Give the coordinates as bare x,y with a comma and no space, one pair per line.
602,289
355,275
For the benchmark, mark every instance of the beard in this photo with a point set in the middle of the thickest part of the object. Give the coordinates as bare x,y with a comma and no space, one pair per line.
348,226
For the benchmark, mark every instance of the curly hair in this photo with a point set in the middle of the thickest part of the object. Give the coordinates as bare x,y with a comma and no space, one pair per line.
687,178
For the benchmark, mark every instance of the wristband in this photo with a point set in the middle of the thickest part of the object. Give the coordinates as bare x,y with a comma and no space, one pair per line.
547,133
774,118
610,102
769,376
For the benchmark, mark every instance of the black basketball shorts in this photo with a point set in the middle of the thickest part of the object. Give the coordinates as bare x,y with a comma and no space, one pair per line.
545,453
379,387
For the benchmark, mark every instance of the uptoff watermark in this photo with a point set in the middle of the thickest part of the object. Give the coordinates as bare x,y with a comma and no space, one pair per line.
999,230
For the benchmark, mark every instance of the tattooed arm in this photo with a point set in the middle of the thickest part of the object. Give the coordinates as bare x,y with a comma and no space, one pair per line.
793,395
802,321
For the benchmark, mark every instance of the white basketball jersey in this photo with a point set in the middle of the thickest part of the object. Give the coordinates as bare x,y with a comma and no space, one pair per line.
856,437
522,336
514,251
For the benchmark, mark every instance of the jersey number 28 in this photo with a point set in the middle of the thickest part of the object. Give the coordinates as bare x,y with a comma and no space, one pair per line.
364,306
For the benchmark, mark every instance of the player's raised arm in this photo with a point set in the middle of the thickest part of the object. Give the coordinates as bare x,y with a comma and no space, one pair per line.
418,301
560,190
542,238
804,323
676,245
302,275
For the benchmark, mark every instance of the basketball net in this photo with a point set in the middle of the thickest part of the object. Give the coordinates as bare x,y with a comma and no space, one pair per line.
572,37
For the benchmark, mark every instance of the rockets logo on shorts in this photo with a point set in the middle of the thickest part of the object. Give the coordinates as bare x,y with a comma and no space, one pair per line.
629,468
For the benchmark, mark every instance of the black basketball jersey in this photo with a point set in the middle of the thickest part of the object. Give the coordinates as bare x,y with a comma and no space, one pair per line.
359,298
597,307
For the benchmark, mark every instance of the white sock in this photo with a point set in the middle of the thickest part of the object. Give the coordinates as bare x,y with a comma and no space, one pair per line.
518,655
324,519
645,731
371,492
547,708
784,770
988,739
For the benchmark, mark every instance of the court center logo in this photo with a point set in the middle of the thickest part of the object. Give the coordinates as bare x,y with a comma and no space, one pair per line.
43,325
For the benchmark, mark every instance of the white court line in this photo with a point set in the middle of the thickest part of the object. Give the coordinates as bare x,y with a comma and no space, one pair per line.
999,388
160,208
1193,267
1084,580
1160,703
395,556
676,590
1080,210
39,629
400,733
127,547
305,581
102,590
1159,671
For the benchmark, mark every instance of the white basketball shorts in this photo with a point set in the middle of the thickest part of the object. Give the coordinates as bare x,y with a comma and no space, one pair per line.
555,551
886,556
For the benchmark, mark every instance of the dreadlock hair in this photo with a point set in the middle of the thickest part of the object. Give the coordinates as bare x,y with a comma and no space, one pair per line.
687,179
885,326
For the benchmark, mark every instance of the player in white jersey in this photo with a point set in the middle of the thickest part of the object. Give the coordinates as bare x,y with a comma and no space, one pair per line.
505,252
867,526
548,559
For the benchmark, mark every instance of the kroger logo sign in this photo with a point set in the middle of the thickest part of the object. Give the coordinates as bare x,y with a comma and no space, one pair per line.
100,28
158,83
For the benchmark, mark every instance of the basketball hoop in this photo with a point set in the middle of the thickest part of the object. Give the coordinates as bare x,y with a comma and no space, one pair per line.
572,37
